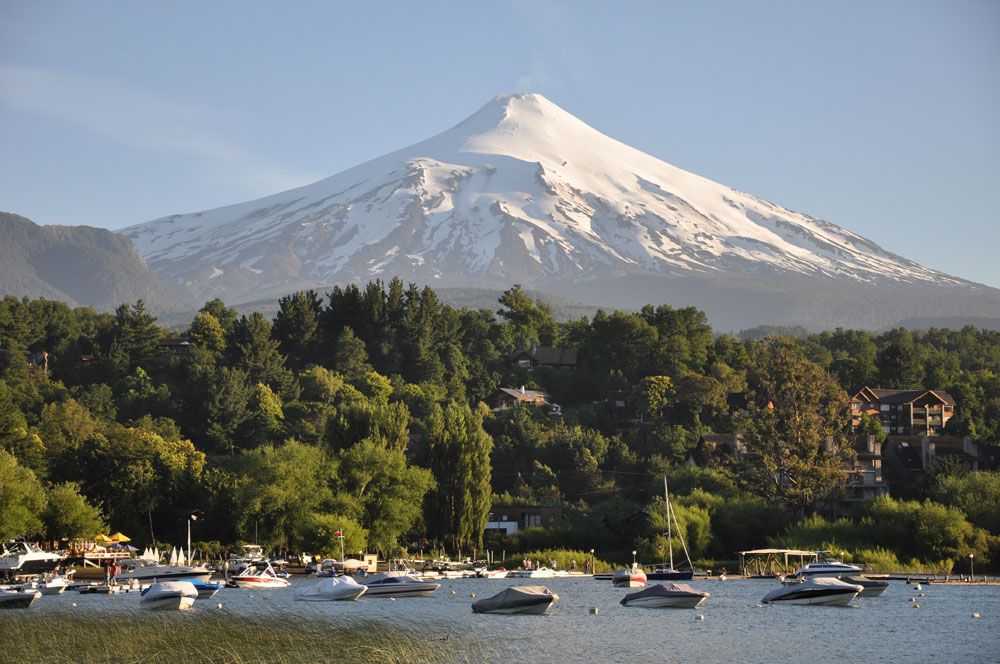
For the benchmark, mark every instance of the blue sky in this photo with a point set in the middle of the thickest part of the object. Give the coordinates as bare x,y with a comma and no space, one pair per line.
883,117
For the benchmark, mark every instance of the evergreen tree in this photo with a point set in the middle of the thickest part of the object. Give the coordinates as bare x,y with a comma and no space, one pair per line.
296,325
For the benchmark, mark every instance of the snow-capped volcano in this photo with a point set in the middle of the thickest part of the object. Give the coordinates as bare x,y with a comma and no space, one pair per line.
521,191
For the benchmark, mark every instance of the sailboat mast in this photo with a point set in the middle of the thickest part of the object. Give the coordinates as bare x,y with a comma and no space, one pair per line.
670,534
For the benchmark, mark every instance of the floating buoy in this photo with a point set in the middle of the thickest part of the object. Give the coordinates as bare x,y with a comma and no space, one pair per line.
472,594
976,616
594,611
913,599
722,577
923,595
918,587
453,593
916,606
700,616
392,599
219,605
74,603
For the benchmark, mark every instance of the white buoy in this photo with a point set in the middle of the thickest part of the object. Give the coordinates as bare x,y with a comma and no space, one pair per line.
74,604
219,605
594,611
700,616
913,599
453,593
918,587
976,616
392,599
472,594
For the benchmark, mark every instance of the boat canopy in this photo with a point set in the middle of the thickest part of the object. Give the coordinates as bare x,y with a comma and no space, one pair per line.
771,562
515,596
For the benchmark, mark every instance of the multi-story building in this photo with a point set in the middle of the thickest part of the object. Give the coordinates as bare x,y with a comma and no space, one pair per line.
904,412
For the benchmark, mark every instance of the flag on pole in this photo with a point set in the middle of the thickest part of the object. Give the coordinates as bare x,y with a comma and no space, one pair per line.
339,533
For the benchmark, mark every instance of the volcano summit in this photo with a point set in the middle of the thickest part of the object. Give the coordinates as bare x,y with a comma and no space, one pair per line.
524,192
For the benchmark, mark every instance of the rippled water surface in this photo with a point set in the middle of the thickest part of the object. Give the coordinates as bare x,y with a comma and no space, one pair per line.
735,627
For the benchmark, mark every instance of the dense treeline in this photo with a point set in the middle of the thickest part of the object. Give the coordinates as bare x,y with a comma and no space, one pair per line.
362,410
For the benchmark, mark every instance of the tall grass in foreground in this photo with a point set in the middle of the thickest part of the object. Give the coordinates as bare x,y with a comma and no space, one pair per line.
65,636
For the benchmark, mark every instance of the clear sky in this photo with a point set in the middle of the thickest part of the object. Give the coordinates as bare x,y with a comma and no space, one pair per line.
883,117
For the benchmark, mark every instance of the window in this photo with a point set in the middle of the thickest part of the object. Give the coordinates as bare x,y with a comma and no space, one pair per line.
524,363
532,520
503,517
884,407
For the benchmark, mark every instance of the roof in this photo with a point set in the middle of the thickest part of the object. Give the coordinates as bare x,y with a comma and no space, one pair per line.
906,396
563,357
520,394
790,552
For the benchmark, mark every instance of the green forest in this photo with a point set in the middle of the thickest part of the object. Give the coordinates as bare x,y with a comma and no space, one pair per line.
366,409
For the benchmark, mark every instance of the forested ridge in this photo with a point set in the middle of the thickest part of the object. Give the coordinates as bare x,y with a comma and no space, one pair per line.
363,410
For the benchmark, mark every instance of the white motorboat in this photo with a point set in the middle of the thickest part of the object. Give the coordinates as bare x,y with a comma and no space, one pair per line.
496,574
526,600
144,570
666,596
238,563
632,577
11,599
397,584
21,559
826,567
538,573
169,596
331,589
259,575
53,586
872,587
824,591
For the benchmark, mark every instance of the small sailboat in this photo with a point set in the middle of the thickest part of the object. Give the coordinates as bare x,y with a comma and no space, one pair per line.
169,596
525,600
665,571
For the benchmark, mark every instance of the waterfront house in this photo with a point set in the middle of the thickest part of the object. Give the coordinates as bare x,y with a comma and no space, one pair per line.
544,356
510,519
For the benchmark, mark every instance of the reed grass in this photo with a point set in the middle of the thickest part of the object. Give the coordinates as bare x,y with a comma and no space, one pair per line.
65,636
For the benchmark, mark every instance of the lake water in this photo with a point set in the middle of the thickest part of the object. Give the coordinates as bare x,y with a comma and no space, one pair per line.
735,627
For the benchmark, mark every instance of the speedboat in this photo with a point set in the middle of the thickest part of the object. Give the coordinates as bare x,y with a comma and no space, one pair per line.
496,574
826,567
529,600
668,596
872,587
538,573
17,600
206,589
825,591
259,575
397,584
25,559
169,596
145,570
632,577
53,586
251,556
331,589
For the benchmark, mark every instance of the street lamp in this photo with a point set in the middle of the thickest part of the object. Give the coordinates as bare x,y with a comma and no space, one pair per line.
593,563
633,559
972,572
192,517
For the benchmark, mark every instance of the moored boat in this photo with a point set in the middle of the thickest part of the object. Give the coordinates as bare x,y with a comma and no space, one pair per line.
537,573
632,577
10,599
397,584
872,587
525,600
206,589
23,559
331,589
826,567
169,596
824,591
259,575
144,570
664,596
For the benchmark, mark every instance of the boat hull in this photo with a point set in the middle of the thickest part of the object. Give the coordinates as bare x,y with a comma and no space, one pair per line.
51,590
536,609
670,576
346,595
14,600
167,576
683,602
259,582
817,599
423,590
168,603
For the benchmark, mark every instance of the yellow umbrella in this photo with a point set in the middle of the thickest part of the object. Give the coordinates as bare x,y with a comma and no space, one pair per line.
118,537
103,539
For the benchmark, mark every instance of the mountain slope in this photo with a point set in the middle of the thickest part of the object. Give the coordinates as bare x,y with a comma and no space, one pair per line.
521,191
76,264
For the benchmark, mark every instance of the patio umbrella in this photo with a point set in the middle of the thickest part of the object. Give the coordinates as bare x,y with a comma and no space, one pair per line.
103,539
118,537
